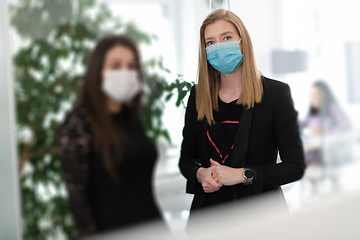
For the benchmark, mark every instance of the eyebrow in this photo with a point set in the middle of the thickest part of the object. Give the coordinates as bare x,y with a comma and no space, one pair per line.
224,33
115,60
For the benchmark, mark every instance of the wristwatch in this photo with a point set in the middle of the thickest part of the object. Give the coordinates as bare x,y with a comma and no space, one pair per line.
248,174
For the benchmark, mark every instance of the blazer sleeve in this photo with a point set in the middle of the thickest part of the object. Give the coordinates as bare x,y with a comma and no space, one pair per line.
74,152
288,142
189,155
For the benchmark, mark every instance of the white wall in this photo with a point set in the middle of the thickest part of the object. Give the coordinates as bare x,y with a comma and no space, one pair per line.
319,27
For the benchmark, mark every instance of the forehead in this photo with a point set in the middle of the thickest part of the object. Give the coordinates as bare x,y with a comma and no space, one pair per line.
218,28
119,52
315,89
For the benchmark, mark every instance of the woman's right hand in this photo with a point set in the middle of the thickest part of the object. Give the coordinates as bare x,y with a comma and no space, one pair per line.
204,176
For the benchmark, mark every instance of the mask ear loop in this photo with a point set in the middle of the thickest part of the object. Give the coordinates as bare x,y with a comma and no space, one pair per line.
239,47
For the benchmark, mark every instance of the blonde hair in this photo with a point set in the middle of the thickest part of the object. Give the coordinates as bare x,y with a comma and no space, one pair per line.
209,78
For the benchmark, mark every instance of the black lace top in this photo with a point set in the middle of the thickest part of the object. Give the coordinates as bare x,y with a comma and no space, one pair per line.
97,202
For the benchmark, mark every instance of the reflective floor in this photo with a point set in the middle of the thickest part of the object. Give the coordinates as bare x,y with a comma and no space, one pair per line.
170,192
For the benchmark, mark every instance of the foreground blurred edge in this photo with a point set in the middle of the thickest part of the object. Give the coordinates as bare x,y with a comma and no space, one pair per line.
335,217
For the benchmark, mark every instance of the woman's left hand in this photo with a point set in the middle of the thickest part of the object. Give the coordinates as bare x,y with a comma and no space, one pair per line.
226,175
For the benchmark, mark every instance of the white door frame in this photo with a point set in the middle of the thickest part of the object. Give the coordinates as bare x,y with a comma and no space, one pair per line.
9,179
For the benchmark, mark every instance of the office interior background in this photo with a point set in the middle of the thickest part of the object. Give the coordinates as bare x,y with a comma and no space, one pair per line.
296,42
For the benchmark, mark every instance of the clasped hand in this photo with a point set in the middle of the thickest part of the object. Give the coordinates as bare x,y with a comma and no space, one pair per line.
216,176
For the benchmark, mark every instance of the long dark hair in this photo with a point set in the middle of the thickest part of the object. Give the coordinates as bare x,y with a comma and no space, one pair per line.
329,109
327,99
106,137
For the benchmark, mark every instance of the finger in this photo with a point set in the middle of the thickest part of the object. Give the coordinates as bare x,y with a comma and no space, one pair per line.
207,185
216,173
214,163
218,180
214,183
210,189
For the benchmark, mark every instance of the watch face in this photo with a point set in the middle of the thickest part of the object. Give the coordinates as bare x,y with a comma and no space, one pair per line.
249,173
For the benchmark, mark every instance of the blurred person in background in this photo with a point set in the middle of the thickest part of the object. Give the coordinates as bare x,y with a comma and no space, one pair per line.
106,157
326,140
324,117
236,122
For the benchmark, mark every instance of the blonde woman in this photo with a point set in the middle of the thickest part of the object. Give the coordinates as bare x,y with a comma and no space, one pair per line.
236,121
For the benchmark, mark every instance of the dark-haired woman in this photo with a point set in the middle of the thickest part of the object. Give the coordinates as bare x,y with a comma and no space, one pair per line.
106,157
324,117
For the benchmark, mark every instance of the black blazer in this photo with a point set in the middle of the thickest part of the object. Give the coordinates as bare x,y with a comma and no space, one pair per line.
266,129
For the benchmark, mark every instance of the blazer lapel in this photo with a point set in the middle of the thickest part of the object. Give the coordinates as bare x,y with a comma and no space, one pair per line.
201,132
242,138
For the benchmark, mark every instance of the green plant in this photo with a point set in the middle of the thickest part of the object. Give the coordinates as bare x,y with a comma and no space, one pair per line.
59,35
156,88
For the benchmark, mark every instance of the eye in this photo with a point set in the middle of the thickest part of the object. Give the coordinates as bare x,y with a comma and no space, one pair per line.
227,38
132,65
208,43
115,65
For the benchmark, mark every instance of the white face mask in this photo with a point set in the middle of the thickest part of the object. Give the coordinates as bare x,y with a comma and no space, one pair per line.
121,85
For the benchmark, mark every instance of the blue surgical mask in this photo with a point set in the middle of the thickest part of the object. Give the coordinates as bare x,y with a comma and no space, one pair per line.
225,57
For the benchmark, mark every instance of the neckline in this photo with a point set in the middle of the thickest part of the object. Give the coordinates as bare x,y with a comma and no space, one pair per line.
234,101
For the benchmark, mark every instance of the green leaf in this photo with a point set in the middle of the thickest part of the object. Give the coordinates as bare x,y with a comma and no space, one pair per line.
168,96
